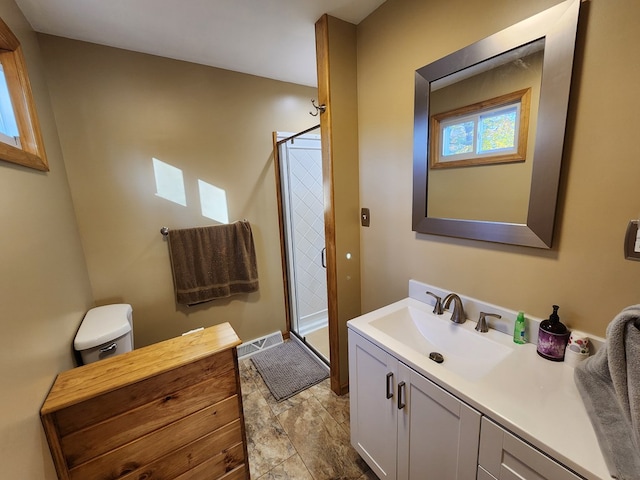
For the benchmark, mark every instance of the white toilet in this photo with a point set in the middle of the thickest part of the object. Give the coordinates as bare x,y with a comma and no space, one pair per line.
105,332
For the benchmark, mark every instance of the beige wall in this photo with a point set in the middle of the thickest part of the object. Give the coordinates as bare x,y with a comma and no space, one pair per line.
585,272
116,110
44,286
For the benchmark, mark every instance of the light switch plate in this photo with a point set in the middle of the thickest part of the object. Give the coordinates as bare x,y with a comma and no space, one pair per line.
630,252
365,217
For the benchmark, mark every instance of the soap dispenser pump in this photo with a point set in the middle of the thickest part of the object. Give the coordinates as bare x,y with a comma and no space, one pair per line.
552,337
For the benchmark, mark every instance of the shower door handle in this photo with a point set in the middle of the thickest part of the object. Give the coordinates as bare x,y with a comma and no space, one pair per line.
323,257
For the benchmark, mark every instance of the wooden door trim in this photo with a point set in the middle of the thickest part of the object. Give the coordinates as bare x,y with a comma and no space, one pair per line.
283,248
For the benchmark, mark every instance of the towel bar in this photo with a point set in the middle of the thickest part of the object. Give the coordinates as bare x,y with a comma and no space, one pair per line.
165,230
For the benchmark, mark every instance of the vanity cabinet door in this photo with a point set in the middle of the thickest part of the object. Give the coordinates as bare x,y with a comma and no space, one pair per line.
438,435
372,391
507,457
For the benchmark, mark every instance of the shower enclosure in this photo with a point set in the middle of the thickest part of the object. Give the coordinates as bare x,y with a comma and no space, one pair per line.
302,215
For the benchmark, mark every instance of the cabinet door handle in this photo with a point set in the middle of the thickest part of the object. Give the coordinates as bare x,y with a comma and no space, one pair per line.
401,395
390,385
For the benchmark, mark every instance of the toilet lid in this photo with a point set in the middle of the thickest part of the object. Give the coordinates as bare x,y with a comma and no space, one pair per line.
103,324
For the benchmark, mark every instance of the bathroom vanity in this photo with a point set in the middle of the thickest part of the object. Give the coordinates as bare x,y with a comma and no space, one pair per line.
172,410
492,409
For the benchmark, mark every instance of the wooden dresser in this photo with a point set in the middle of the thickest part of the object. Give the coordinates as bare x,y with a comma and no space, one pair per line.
172,410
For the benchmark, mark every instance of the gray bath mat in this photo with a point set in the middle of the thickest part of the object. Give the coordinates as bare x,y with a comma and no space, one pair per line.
288,369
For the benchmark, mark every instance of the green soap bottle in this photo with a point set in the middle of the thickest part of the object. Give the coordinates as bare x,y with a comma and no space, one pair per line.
519,329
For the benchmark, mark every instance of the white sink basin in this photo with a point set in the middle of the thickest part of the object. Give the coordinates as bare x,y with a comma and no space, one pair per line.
466,352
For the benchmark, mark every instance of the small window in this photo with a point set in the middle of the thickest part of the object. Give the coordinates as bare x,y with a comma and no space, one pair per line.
8,126
20,137
493,131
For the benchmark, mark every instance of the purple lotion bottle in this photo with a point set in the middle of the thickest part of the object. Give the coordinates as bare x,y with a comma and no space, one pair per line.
552,337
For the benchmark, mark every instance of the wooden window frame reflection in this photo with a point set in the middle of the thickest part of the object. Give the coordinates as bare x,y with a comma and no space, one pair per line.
31,153
435,148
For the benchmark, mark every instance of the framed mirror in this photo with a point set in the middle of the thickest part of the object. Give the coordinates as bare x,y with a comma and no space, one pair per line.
489,126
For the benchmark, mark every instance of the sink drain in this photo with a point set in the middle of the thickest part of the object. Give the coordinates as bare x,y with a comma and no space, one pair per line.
436,357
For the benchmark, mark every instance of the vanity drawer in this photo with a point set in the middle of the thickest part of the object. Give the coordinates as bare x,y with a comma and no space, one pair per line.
507,457
484,475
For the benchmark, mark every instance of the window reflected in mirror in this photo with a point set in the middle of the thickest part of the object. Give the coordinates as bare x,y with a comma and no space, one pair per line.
492,131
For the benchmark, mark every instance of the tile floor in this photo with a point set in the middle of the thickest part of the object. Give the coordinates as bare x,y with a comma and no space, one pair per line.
303,438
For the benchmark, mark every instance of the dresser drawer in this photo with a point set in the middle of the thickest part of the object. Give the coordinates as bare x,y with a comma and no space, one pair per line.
210,470
237,474
209,454
148,448
82,445
128,397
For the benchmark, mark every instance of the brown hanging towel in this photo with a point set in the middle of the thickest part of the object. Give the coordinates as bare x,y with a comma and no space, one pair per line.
213,262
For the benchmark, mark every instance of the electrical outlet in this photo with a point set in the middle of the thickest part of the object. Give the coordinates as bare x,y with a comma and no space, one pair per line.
632,241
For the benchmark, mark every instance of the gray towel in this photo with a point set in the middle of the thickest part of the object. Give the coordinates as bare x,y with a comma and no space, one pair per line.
213,262
609,383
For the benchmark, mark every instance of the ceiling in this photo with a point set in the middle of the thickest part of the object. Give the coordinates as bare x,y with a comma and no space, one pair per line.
268,38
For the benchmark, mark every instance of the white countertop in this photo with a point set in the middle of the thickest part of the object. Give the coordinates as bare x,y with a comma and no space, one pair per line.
534,398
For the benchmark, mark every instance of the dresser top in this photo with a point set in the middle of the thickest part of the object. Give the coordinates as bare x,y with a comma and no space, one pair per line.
81,383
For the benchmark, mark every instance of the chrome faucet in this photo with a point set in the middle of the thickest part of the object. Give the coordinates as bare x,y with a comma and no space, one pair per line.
458,315
482,326
437,307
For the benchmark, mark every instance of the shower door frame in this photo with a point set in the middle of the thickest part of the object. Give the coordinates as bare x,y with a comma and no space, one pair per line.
290,306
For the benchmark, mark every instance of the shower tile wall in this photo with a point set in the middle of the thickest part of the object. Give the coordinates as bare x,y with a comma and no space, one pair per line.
308,232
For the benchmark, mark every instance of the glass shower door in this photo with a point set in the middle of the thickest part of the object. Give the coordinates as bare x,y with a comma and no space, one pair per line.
303,208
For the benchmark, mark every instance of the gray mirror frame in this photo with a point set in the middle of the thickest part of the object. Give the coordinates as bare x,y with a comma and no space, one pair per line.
558,26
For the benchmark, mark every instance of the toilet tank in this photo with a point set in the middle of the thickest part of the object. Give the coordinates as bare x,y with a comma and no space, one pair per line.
105,332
